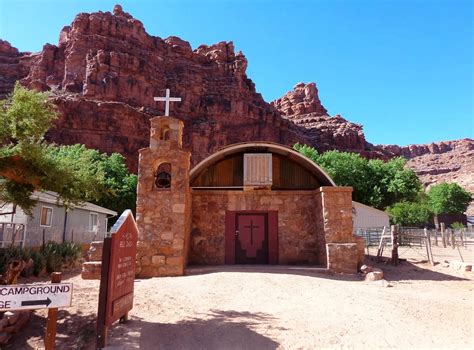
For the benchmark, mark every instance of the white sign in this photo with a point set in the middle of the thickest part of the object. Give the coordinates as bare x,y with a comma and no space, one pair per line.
35,296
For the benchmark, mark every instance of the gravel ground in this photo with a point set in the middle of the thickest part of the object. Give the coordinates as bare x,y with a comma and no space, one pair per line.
278,308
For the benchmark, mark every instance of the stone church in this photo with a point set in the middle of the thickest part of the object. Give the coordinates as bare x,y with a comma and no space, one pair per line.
249,203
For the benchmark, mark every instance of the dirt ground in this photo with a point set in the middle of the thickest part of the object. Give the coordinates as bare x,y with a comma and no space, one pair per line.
278,308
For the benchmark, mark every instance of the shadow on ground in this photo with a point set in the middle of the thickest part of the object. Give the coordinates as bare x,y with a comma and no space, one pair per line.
410,270
310,271
216,330
405,270
74,331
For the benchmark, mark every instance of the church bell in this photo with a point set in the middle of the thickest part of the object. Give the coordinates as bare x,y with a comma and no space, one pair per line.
163,180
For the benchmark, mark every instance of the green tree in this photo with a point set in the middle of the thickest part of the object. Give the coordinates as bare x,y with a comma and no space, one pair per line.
28,163
392,182
409,213
118,184
374,182
448,198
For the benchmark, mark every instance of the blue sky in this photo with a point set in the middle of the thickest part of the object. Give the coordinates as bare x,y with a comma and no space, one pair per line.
403,69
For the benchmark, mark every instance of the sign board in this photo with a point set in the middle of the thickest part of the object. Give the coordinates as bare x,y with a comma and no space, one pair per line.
118,270
35,296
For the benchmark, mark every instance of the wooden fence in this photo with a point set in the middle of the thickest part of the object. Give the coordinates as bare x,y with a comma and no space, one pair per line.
412,237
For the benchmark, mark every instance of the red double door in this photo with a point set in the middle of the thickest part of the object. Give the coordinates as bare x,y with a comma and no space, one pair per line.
251,237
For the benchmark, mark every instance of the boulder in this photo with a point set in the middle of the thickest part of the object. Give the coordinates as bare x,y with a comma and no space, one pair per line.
374,275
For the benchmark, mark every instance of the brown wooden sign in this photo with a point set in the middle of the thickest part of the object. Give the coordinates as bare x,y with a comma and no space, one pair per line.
118,275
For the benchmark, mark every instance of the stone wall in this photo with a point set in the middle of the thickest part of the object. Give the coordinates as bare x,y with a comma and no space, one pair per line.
344,251
300,231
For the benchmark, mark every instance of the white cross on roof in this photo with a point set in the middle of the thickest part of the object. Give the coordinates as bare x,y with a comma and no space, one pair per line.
167,99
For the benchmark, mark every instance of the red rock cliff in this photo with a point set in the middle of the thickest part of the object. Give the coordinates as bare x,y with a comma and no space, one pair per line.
106,69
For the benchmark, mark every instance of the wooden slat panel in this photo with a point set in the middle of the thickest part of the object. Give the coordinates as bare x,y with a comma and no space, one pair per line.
291,176
225,173
258,169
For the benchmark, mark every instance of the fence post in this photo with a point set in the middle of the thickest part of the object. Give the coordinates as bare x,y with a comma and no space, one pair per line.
394,239
381,244
443,234
461,235
429,252
453,239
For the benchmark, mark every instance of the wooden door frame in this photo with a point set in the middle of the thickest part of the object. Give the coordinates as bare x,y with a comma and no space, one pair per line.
230,226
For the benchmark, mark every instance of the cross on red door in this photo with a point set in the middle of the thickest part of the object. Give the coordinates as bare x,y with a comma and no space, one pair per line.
251,227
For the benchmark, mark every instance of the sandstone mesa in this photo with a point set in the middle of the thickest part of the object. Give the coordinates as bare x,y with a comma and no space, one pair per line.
106,69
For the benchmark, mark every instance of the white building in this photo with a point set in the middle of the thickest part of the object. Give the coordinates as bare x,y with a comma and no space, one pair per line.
50,221
364,216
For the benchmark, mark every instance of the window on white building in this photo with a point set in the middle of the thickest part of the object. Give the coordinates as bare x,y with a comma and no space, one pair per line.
93,221
46,216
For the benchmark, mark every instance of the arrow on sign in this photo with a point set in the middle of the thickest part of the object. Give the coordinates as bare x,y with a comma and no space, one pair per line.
46,302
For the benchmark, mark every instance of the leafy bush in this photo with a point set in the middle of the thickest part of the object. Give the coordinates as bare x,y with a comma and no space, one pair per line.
58,255
448,198
409,213
51,257
39,262
71,253
457,226
10,253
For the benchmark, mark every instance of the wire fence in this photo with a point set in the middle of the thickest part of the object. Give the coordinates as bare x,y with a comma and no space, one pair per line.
12,234
413,241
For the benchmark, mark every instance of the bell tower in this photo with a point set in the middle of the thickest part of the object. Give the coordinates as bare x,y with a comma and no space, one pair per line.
163,201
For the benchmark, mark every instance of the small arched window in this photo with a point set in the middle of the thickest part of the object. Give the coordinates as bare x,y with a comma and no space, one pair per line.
166,134
163,176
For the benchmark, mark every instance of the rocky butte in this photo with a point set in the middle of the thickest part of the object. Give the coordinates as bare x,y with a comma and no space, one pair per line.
106,69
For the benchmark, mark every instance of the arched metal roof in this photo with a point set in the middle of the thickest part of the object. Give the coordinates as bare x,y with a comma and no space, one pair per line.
269,147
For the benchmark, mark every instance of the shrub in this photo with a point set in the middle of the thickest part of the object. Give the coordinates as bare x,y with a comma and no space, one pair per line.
51,257
39,262
448,198
10,253
457,225
409,213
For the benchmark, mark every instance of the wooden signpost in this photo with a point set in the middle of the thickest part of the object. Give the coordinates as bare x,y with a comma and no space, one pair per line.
118,275
39,296
35,296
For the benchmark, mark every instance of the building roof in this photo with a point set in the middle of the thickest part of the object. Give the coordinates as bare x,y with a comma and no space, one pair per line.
378,211
52,197
276,148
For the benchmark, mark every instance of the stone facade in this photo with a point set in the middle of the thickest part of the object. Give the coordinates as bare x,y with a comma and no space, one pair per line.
299,230
307,221
163,214
177,223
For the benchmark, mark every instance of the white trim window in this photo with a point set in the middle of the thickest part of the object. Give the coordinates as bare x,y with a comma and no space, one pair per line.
93,222
46,218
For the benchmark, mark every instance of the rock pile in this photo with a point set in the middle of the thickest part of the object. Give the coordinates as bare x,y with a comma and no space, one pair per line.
372,273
